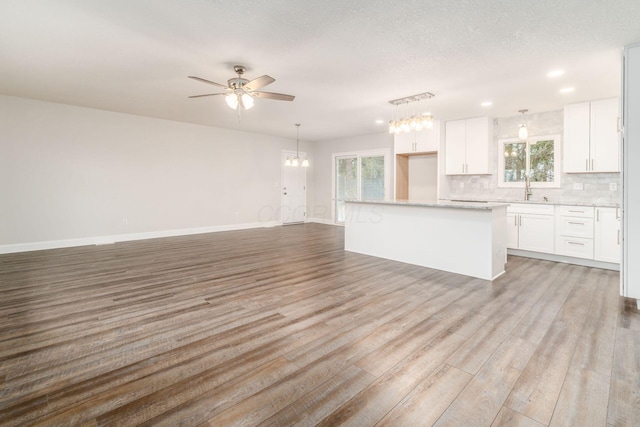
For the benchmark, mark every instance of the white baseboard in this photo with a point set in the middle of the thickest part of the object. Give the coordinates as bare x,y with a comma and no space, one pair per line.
565,259
105,240
321,221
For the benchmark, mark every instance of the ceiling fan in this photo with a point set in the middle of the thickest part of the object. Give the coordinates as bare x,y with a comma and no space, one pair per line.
240,91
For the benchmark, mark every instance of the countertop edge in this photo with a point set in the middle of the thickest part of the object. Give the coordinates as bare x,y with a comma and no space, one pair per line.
438,204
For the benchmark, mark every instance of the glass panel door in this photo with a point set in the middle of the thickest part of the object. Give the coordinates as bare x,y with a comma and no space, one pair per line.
346,183
372,178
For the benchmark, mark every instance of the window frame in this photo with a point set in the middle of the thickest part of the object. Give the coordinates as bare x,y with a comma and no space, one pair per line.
386,153
557,161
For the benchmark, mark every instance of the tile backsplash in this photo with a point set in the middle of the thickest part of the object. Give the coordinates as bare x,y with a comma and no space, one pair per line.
596,187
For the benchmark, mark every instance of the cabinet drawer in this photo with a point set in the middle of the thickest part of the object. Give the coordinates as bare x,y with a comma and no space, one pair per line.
578,211
576,227
531,208
575,247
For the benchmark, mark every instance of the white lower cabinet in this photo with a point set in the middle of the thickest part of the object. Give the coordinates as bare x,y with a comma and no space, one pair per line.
607,235
575,231
571,231
531,227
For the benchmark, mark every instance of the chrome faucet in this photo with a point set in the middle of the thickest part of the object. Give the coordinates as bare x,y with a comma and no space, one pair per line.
527,188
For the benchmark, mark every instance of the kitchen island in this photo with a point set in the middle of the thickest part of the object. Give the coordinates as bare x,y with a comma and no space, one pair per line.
460,237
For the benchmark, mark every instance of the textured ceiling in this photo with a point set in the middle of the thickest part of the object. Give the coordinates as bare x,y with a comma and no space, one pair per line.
343,60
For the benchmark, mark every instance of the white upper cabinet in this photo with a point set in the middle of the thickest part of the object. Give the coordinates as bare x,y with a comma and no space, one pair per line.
423,141
591,142
467,146
605,141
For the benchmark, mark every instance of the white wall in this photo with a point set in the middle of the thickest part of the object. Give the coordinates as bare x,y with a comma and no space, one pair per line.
423,177
321,204
68,172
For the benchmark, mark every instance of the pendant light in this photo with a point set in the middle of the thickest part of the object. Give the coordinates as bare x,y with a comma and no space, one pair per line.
523,132
297,161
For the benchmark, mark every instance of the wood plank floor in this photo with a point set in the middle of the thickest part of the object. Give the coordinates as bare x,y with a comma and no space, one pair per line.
280,327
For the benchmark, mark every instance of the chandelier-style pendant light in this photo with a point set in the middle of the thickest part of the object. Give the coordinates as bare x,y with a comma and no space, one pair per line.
523,132
297,161
410,120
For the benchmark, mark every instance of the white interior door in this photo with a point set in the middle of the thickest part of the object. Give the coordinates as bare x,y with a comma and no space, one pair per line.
294,191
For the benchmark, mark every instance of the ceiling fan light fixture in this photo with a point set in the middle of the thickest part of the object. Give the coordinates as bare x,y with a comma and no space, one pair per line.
247,101
232,101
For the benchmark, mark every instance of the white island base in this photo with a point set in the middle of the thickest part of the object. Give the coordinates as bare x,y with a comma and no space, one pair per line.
463,238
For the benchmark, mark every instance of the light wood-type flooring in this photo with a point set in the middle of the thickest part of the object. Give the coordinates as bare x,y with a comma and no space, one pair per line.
280,326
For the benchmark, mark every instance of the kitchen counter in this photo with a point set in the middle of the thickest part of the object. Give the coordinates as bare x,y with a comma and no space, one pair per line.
456,204
538,202
467,238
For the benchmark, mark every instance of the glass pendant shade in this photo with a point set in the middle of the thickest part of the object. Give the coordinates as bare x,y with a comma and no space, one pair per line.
232,100
247,101
294,162
523,132
305,163
288,161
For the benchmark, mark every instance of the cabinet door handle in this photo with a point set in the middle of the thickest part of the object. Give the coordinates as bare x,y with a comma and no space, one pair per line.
576,211
463,168
576,223
586,164
576,243
515,220
617,214
592,164
597,215
618,236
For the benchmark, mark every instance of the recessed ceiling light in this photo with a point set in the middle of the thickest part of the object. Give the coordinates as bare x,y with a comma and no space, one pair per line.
379,121
555,73
487,104
567,89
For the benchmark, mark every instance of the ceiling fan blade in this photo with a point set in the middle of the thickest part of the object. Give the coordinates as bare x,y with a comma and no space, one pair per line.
200,79
206,94
259,82
272,95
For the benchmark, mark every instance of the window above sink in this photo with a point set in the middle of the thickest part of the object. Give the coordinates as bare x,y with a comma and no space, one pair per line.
537,157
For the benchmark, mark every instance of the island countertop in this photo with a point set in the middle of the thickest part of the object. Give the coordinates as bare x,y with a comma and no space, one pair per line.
434,203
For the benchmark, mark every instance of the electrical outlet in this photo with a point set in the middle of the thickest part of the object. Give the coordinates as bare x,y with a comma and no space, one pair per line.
461,185
613,186
578,186
125,221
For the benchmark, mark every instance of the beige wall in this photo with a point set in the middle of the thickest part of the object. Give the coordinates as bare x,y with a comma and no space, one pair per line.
68,172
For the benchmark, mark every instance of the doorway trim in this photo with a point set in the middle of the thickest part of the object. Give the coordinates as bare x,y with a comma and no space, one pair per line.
360,153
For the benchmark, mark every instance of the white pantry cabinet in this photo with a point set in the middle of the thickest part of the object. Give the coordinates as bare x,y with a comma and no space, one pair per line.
467,146
607,235
591,142
531,227
424,141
